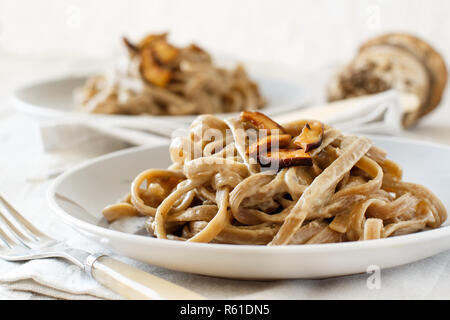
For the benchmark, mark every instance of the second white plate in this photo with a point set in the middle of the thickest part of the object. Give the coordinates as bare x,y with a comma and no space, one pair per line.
54,99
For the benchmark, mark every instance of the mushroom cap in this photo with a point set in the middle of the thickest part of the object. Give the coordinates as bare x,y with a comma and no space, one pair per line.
414,67
432,60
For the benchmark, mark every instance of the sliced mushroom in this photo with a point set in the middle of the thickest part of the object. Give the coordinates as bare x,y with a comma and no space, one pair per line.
164,52
261,121
151,71
285,158
283,140
310,137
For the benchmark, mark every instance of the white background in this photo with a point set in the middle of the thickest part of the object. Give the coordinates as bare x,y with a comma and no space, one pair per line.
301,33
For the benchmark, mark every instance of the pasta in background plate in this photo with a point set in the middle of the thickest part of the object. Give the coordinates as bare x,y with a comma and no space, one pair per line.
160,79
249,180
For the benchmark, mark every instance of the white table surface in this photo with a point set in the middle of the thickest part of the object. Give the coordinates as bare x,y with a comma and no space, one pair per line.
22,162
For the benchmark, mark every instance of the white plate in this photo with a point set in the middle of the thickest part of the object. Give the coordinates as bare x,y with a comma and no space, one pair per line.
54,99
102,181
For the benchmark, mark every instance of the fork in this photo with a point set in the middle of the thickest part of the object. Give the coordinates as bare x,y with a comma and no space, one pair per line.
21,241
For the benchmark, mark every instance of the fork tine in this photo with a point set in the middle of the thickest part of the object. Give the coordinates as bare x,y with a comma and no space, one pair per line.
15,233
6,240
18,223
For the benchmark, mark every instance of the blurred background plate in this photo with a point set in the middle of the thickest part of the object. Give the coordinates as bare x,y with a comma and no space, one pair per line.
53,99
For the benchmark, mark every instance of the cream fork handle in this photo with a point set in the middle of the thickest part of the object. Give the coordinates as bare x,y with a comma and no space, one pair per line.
135,284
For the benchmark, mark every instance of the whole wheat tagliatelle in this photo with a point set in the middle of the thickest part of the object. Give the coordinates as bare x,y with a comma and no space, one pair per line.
160,79
250,180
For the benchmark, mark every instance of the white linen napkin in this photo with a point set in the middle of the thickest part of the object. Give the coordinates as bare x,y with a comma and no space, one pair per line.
71,142
380,113
88,138
54,278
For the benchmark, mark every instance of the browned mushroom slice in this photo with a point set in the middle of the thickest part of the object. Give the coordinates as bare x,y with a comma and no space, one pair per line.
261,121
283,140
151,71
285,158
164,52
310,137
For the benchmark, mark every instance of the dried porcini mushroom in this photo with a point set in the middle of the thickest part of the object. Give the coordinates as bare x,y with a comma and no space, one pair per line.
261,121
286,155
311,136
285,158
265,143
155,55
